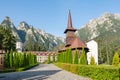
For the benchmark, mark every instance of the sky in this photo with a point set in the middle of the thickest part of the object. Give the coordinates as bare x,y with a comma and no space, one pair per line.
52,15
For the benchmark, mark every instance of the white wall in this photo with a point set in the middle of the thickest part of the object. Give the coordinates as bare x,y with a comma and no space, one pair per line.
19,46
93,51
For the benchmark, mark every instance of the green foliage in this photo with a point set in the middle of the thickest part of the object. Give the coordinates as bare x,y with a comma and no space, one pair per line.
48,58
92,61
94,72
83,60
76,60
53,57
70,56
7,40
17,60
11,59
107,38
65,57
7,63
115,61
18,69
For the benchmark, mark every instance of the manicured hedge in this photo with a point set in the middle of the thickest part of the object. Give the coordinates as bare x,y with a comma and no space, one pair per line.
93,72
18,69
26,68
7,70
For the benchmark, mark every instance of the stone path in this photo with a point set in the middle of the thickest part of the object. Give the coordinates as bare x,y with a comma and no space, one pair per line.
42,72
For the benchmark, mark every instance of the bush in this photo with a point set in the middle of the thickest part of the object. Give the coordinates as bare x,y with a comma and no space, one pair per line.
18,69
7,70
76,57
83,59
48,59
94,72
115,61
92,61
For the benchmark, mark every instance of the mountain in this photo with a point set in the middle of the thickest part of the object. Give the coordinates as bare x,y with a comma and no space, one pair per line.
32,38
106,31
7,22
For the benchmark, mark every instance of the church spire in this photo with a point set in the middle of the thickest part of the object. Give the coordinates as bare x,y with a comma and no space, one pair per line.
69,25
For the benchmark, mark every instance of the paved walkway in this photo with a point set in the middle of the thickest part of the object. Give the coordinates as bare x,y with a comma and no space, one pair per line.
42,72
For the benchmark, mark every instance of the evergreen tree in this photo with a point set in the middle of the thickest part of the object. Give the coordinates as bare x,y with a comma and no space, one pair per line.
11,59
1,36
63,57
53,57
83,60
32,57
48,58
58,57
115,61
21,59
16,60
67,56
35,59
8,40
7,63
29,58
76,57
92,61
70,56
25,59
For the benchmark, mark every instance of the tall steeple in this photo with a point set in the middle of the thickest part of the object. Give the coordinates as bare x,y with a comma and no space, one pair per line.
69,25
70,30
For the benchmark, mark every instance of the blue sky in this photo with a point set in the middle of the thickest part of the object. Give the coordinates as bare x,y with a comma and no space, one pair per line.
52,15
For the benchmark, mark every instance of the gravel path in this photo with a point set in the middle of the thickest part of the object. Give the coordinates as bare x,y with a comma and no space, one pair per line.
42,72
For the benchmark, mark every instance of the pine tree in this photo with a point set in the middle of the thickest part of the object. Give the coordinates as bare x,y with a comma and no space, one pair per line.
53,57
7,63
29,58
115,61
16,60
92,61
1,36
83,60
21,58
25,59
70,56
48,58
8,40
67,56
35,59
76,57
58,57
11,59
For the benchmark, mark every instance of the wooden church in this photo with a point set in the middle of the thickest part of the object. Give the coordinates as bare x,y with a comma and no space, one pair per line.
72,41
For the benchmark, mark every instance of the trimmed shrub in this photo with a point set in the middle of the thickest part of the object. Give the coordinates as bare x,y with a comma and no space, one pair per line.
18,69
94,72
83,60
115,61
48,58
76,57
53,57
70,56
92,61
